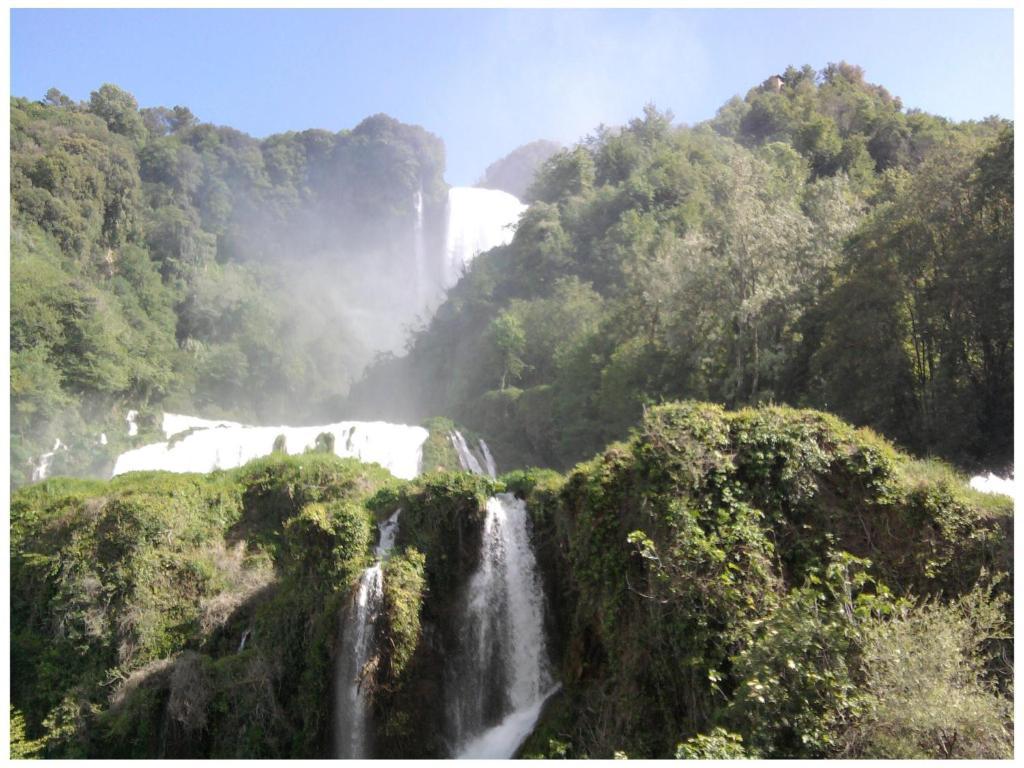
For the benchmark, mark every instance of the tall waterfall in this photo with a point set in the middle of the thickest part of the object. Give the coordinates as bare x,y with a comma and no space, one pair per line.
358,645
420,250
501,675
478,220
202,445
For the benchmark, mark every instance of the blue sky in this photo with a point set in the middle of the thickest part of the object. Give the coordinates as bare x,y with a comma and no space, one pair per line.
488,81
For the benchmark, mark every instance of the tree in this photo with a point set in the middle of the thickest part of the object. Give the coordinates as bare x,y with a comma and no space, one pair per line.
56,98
119,110
509,342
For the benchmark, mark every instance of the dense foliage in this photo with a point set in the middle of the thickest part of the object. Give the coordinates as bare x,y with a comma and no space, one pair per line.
813,244
157,261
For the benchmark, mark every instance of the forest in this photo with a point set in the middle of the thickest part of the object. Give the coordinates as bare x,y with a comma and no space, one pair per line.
736,373
817,246
159,262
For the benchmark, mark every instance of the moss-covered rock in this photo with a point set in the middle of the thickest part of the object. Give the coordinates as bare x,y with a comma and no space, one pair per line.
441,529
125,591
439,455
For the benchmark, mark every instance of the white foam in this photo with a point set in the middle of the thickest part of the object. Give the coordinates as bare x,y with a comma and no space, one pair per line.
504,739
992,483
224,445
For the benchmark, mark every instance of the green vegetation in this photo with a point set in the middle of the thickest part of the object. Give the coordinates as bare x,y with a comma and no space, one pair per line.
439,454
816,245
130,599
198,616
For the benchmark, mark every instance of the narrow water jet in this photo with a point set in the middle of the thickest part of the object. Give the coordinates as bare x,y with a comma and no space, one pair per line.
41,470
420,251
357,653
467,460
133,426
492,468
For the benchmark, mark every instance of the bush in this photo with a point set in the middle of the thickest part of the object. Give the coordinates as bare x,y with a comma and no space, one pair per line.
720,744
928,693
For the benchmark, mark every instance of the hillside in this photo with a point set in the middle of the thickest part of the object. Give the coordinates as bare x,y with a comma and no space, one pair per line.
723,584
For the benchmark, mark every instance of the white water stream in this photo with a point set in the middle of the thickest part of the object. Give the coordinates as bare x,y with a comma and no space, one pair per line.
478,220
358,651
992,483
503,672
41,470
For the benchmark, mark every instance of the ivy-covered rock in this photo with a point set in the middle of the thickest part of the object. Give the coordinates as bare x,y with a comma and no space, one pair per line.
729,568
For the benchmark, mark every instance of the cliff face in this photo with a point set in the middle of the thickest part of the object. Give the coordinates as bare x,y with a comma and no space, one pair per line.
723,583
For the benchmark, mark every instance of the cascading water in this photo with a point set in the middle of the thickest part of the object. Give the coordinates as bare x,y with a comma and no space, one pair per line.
993,483
41,469
470,461
214,445
492,468
176,423
502,669
501,675
420,250
357,651
133,427
478,220
467,460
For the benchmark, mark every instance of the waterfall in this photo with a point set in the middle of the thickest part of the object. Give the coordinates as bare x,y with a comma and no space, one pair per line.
202,445
351,716
133,427
420,251
469,461
478,220
176,423
42,469
502,674
492,468
993,483
357,653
